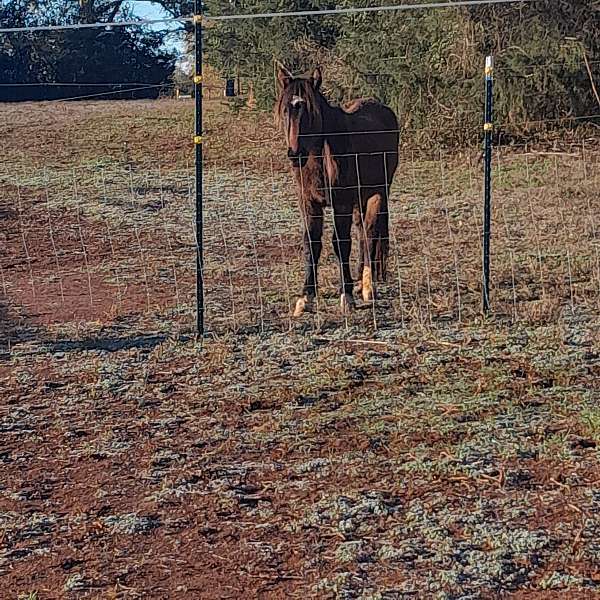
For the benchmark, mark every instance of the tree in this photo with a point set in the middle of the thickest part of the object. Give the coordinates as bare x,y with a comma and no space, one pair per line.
251,47
119,55
427,65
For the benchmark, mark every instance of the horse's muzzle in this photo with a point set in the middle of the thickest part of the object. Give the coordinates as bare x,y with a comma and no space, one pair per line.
298,159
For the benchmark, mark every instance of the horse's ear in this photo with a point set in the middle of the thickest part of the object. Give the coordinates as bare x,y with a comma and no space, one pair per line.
283,76
317,78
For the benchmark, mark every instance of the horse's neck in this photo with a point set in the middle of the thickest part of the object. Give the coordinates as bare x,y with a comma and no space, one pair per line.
334,121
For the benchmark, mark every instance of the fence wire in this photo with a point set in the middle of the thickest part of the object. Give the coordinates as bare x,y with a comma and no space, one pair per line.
112,241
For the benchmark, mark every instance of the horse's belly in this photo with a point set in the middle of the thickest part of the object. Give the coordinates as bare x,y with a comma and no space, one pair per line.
375,170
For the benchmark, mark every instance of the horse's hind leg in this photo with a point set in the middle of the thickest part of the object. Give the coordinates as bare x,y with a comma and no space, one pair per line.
342,245
370,233
312,216
358,222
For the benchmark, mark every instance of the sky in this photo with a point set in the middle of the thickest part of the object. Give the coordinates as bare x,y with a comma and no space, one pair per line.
148,10
151,10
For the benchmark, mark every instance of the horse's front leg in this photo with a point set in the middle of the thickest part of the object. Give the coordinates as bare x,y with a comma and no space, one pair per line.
342,245
312,216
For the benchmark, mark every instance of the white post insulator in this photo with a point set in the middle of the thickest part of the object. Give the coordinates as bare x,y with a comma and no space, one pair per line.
489,66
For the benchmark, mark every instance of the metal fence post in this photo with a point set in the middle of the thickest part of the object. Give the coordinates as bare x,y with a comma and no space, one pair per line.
198,166
487,193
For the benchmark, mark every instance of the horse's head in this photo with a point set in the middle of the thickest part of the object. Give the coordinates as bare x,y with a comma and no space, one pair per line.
298,112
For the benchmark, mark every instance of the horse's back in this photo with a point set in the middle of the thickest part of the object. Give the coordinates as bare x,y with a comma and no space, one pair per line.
374,139
370,115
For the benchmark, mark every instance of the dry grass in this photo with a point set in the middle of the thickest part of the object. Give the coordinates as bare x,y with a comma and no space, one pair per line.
439,456
120,172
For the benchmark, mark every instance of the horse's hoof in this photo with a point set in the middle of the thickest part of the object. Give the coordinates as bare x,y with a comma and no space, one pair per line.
303,305
368,287
346,304
369,294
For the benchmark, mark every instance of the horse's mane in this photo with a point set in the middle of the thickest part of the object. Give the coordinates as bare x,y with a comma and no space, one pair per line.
317,176
320,171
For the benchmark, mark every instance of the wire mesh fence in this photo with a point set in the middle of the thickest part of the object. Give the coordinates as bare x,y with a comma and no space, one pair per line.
545,251
547,241
96,243
114,243
98,221
98,216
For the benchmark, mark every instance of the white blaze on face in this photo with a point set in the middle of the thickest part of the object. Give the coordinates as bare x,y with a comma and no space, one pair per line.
293,124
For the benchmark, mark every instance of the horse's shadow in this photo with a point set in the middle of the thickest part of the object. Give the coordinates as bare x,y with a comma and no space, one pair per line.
106,344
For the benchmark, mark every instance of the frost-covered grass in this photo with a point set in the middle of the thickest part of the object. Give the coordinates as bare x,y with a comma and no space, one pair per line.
457,464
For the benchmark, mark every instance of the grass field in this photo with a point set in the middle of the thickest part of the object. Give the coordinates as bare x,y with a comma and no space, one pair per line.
99,224
413,450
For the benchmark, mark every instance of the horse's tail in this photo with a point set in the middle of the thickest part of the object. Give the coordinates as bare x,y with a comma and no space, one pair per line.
382,244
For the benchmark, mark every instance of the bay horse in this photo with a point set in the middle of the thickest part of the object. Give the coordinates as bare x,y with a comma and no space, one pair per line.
346,158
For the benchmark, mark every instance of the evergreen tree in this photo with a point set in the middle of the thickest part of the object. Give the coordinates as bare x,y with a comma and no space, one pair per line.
427,65
118,55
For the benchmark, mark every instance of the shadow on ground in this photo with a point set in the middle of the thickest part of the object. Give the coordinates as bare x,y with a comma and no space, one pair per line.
16,331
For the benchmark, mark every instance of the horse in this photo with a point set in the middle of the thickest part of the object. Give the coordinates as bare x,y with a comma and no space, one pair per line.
345,158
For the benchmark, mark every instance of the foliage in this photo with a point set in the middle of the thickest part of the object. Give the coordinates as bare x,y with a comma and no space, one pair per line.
119,55
427,65
251,47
